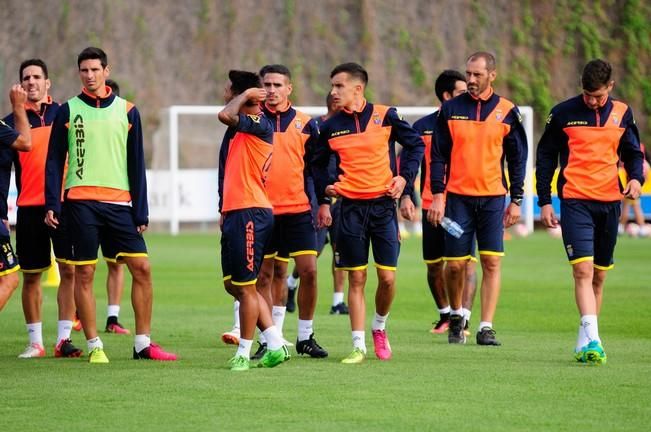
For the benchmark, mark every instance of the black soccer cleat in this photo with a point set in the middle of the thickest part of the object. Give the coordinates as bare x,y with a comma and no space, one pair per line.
262,349
486,336
340,309
311,348
455,331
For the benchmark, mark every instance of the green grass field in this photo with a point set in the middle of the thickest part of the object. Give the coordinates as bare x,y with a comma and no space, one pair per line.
530,383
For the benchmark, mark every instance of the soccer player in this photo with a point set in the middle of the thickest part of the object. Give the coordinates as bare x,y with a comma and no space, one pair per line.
449,84
294,232
589,133
16,139
32,235
105,197
474,133
247,217
363,135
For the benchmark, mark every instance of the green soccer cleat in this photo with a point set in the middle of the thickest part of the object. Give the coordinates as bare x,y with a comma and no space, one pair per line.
579,356
355,357
239,363
594,353
273,358
97,356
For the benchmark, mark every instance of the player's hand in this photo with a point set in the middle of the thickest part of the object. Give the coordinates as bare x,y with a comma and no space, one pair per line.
547,216
633,189
141,228
511,215
331,191
323,217
17,96
7,224
51,220
407,208
436,210
395,188
257,95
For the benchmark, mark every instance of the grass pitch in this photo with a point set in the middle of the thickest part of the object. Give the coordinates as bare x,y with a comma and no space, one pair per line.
530,383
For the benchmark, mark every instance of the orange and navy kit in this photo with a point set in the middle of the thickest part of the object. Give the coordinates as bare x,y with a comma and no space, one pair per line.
364,145
295,135
474,137
32,235
98,215
247,218
589,144
8,135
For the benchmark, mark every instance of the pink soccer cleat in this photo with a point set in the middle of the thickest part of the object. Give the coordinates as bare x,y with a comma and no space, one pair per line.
382,345
154,352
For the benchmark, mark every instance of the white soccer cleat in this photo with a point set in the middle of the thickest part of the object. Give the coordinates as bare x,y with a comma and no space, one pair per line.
231,337
33,351
287,343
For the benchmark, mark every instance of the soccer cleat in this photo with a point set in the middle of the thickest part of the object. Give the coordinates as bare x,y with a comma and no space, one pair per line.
239,363
113,326
355,357
579,356
287,343
381,344
466,331
273,358
232,337
594,353
65,348
441,326
261,351
455,330
97,356
76,324
33,350
486,336
340,309
311,348
154,352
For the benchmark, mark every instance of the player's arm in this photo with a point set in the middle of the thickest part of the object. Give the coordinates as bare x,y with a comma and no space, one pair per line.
57,152
230,114
630,153
312,131
18,97
319,166
516,151
546,163
439,159
411,156
136,171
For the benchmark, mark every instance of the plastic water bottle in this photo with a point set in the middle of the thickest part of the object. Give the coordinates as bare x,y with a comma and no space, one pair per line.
453,228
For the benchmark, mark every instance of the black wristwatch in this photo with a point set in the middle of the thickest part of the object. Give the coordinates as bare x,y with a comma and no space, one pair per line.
517,201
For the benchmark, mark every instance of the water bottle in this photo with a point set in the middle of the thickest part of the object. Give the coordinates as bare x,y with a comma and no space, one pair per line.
453,228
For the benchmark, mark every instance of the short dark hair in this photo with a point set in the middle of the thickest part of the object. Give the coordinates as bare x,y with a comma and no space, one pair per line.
93,53
491,63
353,69
596,74
446,82
32,62
275,68
115,88
241,81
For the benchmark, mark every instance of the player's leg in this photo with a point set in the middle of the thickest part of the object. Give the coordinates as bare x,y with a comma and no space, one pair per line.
67,309
339,276
469,291
279,291
8,284
8,276
433,247
114,290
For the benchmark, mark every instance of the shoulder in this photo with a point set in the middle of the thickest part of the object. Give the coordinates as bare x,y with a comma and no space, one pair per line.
426,123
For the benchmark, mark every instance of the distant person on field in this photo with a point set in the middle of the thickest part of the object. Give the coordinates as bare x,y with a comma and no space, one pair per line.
105,197
475,133
448,85
636,206
589,133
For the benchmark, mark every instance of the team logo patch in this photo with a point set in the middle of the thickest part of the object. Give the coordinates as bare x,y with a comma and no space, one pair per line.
615,119
570,250
549,118
376,118
255,118
298,124
499,115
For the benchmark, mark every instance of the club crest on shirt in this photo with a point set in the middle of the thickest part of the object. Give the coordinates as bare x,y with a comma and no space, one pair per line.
376,118
498,114
298,124
255,118
615,119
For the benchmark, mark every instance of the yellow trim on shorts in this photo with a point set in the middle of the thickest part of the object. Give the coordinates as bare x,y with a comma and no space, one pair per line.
130,255
383,267
271,255
225,278
283,259
41,270
62,260
491,253
473,259
252,282
582,259
463,258
362,267
76,263
303,252
10,271
434,261
610,267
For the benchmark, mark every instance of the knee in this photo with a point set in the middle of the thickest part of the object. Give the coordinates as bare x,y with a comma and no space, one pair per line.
456,268
9,283
386,279
357,278
66,271
598,279
435,269
583,270
307,274
140,269
490,264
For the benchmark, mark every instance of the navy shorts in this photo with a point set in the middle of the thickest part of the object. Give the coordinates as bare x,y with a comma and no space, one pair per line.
8,260
434,242
33,238
361,223
590,231
293,235
245,233
93,223
482,217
